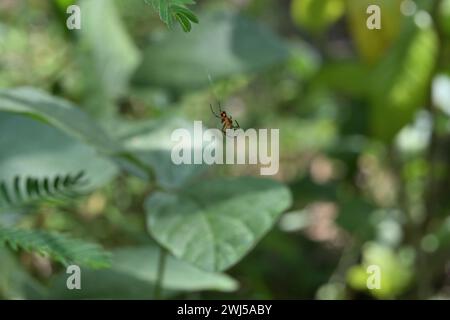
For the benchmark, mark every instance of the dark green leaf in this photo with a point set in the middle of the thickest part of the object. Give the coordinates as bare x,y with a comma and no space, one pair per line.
400,82
185,12
185,23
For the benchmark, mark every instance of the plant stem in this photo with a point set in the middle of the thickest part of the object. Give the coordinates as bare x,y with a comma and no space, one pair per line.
160,273
133,159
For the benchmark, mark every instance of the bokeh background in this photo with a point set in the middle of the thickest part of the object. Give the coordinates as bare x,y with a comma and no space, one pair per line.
364,119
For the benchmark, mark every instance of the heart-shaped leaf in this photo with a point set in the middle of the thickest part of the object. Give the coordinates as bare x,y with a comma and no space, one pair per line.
214,224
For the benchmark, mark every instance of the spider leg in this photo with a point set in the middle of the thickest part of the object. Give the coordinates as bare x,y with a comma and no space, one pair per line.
236,126
224,130
215,114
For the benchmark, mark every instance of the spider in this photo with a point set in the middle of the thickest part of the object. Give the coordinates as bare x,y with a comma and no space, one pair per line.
227,121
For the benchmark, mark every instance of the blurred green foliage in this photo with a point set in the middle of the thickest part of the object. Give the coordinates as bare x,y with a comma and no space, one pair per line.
364,149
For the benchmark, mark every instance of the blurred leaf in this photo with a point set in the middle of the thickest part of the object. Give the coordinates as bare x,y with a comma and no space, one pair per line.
142,263
444,17
354,216
175,9
101,284
395,270
31,57
304,59
185,24
108,53
347,77
372,44
150,141
301,134
15,281
65,116
63,4
57,112
400,83
22,190
57,246
185,12
224,44
54,154
214,224
316,15
133,274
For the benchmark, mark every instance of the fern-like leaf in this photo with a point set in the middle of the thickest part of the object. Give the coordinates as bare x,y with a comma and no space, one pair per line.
23,190
56,246
171,10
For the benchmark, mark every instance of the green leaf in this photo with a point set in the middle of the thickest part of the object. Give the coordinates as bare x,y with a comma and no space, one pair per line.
214,224
55,154
164,12
400,82
108,56
224,44
150,142
57,112
185,12
141,262
355,217
348,77
373,44
65,116
132,276
63,4
316,15
23,190
185,24
57,246
170,9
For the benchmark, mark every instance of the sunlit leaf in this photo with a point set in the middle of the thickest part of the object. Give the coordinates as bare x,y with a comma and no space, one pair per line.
400,83
57,154
57,246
